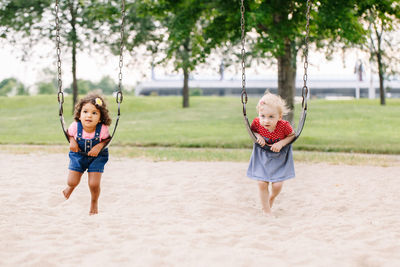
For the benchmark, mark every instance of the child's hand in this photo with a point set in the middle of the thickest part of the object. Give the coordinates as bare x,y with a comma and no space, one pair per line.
276,147
94,152
260,140
73,145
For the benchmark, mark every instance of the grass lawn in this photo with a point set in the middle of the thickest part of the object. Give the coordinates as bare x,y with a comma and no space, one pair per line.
361,126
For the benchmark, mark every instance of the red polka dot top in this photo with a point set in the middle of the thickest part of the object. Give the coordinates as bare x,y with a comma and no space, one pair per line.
282,129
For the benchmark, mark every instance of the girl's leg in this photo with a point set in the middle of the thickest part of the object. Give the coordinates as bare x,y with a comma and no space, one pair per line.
74,178
275,190
264,196
94,186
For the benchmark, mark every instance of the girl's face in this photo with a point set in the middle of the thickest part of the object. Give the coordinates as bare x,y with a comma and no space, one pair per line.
269,117
90,116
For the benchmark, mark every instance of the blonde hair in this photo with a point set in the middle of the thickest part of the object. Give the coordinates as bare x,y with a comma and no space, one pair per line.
273,100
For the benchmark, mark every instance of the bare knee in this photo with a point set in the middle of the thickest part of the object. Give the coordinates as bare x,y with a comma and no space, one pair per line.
73,181
73,184
263,185
74,178
277,186
94,186
94,181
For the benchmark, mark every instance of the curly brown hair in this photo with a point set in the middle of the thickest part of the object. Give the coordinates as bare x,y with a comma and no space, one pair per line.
100,105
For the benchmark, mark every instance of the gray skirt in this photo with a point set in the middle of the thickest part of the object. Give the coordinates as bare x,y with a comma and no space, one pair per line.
269,166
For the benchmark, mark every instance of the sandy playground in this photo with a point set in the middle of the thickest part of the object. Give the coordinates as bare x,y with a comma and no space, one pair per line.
196,214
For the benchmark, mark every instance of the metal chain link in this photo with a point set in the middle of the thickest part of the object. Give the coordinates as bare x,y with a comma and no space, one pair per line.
119,96
243,51
304,90
60,95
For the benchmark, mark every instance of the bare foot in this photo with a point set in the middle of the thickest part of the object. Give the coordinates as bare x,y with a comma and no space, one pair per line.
267,212
67,192
93,208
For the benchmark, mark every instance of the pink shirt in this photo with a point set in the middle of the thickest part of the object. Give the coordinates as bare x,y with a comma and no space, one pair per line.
73,131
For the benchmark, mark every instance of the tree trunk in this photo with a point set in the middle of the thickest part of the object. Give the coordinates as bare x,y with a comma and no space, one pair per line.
287,77
185,91
186,64
382,90
74,44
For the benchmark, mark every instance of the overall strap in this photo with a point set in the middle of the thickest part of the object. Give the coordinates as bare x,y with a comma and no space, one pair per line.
98,130
79,131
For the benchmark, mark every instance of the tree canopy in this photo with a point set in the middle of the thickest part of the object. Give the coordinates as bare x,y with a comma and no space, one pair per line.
186,32
82,25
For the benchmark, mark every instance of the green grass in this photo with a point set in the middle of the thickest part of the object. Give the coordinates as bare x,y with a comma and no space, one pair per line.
361,126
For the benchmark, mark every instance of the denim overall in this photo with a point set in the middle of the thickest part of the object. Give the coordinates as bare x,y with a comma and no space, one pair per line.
80,161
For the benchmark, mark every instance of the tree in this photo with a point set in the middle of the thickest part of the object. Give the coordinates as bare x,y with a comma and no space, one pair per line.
281,33
381,16
48,82
107,85
84,87
12,86
82,24
46,88
177,30
278,31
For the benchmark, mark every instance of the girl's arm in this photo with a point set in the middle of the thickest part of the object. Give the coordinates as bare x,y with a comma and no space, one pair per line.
260,139
94,152
254,127
278,145
72,129
104,137
73,145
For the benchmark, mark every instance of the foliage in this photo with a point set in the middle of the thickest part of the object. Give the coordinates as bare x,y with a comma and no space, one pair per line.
48,82
381,17
196,92
82,25
84,86
107,85
46,88
48,85
22,16
177,31
12,86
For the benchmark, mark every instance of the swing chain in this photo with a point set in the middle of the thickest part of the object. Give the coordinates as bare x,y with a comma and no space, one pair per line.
119,96
243,51
304,90
60,95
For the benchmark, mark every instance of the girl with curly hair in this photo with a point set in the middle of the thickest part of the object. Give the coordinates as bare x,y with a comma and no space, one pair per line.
88,135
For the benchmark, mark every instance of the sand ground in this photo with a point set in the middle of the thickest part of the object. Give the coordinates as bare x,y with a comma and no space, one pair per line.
196,214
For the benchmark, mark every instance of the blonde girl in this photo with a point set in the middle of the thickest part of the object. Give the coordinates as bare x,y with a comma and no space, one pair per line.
274,165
